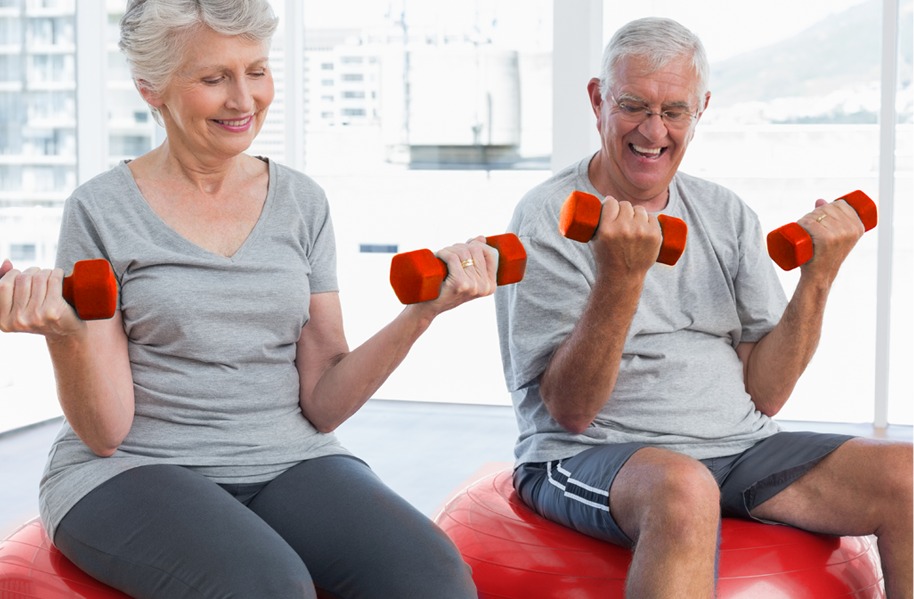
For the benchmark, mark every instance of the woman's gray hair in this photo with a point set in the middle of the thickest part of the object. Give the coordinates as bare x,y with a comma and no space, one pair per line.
659,41
154,32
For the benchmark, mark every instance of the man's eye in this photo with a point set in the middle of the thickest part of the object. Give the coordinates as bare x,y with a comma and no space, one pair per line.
674,115
631,108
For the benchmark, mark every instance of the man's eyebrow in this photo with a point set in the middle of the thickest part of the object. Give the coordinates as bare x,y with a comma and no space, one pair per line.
681,104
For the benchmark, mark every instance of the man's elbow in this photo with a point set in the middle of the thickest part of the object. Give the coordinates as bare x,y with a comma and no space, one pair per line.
572,421
575,426
769,405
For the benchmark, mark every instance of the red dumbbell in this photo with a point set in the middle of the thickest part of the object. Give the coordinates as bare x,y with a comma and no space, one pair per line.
91,289
580,217
416,276
790,246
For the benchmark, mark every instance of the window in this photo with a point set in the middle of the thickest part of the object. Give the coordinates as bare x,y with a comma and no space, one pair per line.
446,116
794,116
426,121
26,252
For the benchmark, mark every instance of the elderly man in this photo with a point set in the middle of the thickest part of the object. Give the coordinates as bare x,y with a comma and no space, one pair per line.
645,393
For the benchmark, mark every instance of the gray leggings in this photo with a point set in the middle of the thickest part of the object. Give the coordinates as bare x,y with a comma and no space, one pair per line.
166,532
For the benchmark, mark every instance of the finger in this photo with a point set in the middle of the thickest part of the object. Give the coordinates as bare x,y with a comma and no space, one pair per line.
5,267
491,258
55,283
485,258
626,212
451,259
7,287
38,292
640,213
610,210
22,288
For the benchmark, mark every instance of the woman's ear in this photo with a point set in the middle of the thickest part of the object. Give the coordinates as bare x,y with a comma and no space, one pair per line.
148,93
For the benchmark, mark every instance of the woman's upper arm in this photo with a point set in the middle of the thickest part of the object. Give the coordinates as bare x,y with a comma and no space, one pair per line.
109,339
95,385
322,342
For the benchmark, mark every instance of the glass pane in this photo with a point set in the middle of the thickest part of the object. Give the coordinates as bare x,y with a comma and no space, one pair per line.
425,123
37,171
131,128
793,118
38,132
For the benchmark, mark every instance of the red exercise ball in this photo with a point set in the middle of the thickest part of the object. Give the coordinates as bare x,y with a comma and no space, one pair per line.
516,554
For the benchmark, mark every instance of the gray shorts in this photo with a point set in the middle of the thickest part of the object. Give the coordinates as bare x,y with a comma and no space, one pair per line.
575,491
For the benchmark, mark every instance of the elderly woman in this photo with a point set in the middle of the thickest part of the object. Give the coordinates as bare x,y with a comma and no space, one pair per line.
197,457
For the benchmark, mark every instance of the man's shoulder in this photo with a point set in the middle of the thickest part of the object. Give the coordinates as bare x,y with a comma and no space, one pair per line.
691,185
544,200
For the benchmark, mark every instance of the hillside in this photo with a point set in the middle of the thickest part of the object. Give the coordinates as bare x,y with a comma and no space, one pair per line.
827,73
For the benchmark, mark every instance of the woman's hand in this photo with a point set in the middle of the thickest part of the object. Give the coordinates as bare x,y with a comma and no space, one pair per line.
471,270
31,301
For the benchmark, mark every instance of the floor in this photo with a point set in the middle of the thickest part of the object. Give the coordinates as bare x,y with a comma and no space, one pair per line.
443,446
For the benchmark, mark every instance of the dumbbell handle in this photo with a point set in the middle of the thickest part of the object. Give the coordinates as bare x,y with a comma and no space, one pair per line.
91,289
790,246
580,216
416,276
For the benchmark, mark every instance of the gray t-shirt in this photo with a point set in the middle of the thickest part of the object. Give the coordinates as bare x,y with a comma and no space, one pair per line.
212,339
681,384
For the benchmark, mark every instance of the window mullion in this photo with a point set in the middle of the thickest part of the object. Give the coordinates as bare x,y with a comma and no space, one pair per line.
91,107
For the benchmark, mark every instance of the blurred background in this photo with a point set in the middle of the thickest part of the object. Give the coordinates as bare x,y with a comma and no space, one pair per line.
426,120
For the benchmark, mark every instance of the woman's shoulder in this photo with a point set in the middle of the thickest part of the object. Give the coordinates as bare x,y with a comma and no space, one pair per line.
115,182
288,177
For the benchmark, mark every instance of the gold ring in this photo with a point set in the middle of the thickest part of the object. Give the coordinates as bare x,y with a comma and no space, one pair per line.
821,218
467,263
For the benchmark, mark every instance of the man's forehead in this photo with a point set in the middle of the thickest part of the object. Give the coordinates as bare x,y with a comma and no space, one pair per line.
639,77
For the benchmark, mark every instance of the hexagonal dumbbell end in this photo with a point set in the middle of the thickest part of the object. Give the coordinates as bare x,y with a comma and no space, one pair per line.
580,217
416,276
791,246
91,289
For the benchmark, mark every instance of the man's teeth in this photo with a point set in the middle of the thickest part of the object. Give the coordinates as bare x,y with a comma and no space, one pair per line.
647,151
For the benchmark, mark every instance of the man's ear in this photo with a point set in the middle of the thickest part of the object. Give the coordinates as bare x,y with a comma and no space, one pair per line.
596,96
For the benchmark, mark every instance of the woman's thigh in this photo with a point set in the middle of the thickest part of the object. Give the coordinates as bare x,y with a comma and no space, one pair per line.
165,532
359,538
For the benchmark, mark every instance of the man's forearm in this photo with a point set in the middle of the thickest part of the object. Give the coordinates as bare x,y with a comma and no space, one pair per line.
582,372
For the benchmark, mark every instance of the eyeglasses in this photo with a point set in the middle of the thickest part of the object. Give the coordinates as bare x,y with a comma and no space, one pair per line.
634,111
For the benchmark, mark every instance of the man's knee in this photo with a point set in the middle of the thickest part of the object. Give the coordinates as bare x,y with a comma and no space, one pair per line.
668,490
899,477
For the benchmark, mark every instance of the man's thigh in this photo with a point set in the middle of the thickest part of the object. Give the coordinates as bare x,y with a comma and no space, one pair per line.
771,466
575,491
842,493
